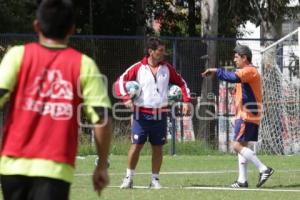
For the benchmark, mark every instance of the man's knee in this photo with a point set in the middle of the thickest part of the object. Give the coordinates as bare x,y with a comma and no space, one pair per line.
238,146
136,148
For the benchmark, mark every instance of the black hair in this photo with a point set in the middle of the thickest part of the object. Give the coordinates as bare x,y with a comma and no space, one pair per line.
243,50
56,17
153,43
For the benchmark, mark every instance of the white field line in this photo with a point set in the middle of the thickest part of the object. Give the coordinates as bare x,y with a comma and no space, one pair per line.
189,172
217,188
168,173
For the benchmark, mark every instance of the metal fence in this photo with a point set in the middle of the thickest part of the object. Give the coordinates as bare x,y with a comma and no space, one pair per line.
114,54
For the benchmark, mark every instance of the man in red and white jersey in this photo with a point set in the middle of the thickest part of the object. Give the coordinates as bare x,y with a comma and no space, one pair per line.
149,109
47,82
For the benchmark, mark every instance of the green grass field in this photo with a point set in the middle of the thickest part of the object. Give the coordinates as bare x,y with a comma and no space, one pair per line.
191,177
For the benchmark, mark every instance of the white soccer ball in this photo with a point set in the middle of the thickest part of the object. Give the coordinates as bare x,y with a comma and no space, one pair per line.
174,94
133,89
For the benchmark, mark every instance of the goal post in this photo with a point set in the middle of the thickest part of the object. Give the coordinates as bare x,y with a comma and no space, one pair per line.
280,124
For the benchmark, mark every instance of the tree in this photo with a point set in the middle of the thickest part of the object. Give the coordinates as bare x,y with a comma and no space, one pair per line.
191,18
17,16
209,26
106,17
269,14
141,16
237,13
176,17
116,17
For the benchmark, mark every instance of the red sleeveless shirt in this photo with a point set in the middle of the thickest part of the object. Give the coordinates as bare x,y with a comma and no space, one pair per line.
43,109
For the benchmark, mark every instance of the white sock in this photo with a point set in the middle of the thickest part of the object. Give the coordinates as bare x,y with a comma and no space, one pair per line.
154,176
242,169
251,156
130,173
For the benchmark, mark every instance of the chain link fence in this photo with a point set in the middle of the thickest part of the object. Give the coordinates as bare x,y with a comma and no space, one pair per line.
114,54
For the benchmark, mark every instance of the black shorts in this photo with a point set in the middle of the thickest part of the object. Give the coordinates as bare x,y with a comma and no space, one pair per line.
147,127
245,131
17,187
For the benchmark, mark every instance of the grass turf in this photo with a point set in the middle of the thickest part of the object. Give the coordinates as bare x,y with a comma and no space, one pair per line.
211,172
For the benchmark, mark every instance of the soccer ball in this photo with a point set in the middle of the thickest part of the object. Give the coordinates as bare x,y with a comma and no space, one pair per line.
174,94
133,89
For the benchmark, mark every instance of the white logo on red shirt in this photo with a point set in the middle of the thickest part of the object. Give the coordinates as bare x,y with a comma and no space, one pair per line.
50,84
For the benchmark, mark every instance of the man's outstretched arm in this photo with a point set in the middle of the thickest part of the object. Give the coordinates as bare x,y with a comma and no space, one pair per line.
222,74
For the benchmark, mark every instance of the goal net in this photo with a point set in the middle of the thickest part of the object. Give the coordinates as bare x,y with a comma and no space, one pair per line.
280,125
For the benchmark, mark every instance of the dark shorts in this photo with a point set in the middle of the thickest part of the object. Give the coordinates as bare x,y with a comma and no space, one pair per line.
16,187
245,131
149,127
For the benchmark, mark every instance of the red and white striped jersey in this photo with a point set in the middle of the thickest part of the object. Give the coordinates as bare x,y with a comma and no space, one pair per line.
154,89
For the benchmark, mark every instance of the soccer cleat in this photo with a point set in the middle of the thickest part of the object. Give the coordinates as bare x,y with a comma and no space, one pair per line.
127,183
264,176
154,184
237,184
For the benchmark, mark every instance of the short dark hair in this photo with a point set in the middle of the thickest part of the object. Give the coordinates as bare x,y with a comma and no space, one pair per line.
153,43
56,18
243,50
